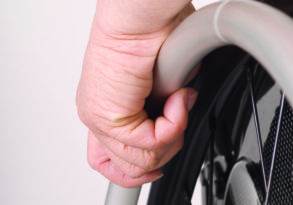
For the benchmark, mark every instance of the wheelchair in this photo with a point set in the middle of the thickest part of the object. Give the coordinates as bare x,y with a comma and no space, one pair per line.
238,146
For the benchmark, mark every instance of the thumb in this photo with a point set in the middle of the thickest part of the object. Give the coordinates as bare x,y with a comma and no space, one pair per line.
175,115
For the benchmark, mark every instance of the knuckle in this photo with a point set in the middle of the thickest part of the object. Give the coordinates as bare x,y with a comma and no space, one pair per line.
135,172
162,143
132,170
155,144
127,182
152,160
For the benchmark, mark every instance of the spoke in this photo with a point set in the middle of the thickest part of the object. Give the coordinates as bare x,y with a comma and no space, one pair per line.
257,125
275,148
211,172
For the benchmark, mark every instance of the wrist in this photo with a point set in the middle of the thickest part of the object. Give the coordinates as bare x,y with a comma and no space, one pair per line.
135,41
138,17
144,45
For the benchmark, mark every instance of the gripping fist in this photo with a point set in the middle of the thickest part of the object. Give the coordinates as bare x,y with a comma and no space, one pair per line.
124,144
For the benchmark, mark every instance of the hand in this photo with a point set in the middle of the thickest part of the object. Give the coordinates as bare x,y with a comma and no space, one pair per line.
123,143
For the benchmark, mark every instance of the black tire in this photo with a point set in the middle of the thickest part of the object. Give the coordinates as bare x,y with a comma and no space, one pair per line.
221,118
220,76
216,134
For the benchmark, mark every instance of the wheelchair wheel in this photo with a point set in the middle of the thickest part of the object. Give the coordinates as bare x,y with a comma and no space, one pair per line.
239,141
239,138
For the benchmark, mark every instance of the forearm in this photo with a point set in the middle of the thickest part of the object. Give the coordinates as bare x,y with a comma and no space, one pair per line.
137,16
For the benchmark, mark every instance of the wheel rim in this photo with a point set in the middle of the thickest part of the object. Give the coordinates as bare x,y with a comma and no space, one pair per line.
270,166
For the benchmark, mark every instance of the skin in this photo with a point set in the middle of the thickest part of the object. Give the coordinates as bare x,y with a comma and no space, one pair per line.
124,144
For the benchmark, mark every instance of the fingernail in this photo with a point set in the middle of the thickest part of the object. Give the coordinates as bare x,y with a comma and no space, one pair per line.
191,97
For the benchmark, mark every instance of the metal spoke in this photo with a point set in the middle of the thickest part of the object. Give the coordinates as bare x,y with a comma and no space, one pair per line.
275,148
211,172
257,125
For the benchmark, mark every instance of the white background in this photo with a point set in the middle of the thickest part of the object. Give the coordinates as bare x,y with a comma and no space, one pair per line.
42,142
